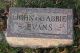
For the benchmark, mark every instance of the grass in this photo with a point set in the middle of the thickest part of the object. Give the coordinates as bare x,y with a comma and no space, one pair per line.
5,48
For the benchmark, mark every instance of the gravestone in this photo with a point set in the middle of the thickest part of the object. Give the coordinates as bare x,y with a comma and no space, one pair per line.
39,27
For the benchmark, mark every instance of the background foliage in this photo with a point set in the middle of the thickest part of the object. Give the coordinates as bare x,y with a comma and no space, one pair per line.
70,4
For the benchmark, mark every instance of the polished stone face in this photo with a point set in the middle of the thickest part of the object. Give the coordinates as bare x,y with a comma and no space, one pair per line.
39,27
40,23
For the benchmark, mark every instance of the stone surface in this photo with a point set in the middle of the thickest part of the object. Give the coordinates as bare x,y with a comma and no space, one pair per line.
39,27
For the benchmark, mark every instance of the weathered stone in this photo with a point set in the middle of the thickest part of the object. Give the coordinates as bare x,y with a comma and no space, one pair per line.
39,27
